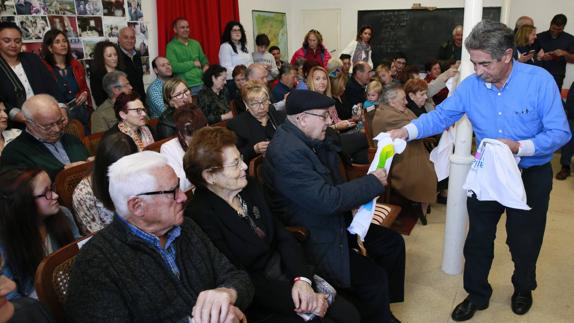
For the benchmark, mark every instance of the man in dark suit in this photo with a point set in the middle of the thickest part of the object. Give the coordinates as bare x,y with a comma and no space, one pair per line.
355,90
132,59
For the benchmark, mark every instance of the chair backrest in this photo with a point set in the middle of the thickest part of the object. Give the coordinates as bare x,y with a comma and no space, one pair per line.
233,108
368,123
156,146
92,141
76,128
255,168
52,277
222,123
67,180
152,124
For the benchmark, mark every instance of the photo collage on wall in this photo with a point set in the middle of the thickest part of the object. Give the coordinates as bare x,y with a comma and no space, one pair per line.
85,23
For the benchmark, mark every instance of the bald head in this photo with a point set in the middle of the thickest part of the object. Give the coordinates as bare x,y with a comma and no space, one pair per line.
127,39
523,21
44,118
257,72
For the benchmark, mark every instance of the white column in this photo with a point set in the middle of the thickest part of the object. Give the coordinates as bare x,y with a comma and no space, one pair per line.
505,12
456,213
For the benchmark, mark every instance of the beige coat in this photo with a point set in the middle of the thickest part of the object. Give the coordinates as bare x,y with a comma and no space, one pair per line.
412,173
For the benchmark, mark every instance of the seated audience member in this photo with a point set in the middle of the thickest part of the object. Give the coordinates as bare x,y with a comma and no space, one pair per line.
413,175
257,72
68,73
105,60
255,128
302,169
154,94
132,118
186,56
212,99
174,149
131,59
287,81
312,49
7,286
44,144
6,135
232,211
234,86
355,89
114,83
233,50
527,49
416,95
334,68
398,66
276,52
260,55
374,94
151,264
91,213
433,70
383,75
307,66
175,96
32,225
21,74
346,68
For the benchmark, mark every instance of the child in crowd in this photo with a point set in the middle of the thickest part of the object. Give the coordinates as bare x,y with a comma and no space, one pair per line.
374,93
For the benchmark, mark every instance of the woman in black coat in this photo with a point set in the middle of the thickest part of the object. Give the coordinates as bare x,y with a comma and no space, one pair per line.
233,213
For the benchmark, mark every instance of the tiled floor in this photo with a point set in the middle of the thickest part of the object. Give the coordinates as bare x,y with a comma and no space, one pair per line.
431,294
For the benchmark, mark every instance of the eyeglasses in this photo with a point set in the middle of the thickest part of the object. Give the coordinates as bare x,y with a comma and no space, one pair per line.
49,126
181,94
236,30
235,164
257,104
172,191
139,111
323,116
119,86
49,194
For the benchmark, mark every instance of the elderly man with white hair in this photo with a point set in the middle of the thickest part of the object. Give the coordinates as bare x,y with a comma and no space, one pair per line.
131,58
44,144
151,264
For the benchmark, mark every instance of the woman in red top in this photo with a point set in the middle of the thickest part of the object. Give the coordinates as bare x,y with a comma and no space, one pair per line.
433,71
312,50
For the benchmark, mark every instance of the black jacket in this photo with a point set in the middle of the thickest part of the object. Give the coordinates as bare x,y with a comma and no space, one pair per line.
354,93
133,68
117,277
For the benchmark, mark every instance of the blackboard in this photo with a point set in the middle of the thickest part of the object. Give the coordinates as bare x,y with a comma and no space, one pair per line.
417,33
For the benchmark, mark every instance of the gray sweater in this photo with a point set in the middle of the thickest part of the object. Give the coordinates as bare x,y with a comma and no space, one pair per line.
119,278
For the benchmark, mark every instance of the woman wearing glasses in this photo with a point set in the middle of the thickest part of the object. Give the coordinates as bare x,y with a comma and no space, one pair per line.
255,127
132,119
232,211
176,95
233,50
212,99
32,225
185,123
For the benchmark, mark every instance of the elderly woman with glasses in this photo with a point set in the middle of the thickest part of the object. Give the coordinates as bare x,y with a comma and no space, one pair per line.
232,211
32,225
255,127
132,118
176,95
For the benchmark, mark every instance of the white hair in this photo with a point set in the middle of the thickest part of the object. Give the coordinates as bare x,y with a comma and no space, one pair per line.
456,29
36,102
132,175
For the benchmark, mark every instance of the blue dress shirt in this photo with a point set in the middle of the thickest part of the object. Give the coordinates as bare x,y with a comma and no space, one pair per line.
527,109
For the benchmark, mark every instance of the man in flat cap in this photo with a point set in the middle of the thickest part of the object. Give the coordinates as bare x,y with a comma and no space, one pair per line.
302,171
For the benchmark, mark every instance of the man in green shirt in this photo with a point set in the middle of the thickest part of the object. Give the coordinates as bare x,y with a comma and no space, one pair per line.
186,56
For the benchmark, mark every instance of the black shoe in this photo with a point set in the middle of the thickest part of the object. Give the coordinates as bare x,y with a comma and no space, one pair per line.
563,173
465,310
521,302
423,218
441,199
394,319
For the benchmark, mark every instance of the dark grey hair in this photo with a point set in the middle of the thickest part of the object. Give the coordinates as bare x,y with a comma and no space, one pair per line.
492,37
390,92
111,80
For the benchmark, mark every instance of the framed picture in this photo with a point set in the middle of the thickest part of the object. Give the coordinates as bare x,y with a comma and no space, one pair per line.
274,25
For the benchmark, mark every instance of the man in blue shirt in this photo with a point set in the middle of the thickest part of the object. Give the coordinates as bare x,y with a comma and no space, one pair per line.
519,105
162,69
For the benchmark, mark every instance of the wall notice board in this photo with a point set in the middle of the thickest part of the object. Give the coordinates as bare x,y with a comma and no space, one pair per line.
417,33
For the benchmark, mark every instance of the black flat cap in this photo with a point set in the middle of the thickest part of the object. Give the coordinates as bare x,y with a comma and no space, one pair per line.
302,100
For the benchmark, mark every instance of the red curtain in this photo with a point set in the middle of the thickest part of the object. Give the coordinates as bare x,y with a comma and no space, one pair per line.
207,19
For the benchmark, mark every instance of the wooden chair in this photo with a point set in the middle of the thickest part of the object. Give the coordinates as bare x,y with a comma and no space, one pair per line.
67,180
152,124
92,141
222,123
76,128
52,277
233,108
156,146
255,171
367,124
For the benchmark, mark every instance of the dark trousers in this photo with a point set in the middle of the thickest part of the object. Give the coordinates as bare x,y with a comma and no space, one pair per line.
568,149
524,229
378,279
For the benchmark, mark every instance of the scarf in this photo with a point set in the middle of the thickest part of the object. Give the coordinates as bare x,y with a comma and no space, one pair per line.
362,52
142,137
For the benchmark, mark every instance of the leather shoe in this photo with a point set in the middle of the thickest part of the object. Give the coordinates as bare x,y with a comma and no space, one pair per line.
394,319
563,173
521,302
465,310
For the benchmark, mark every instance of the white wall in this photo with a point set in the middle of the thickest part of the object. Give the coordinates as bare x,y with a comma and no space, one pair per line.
542,12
